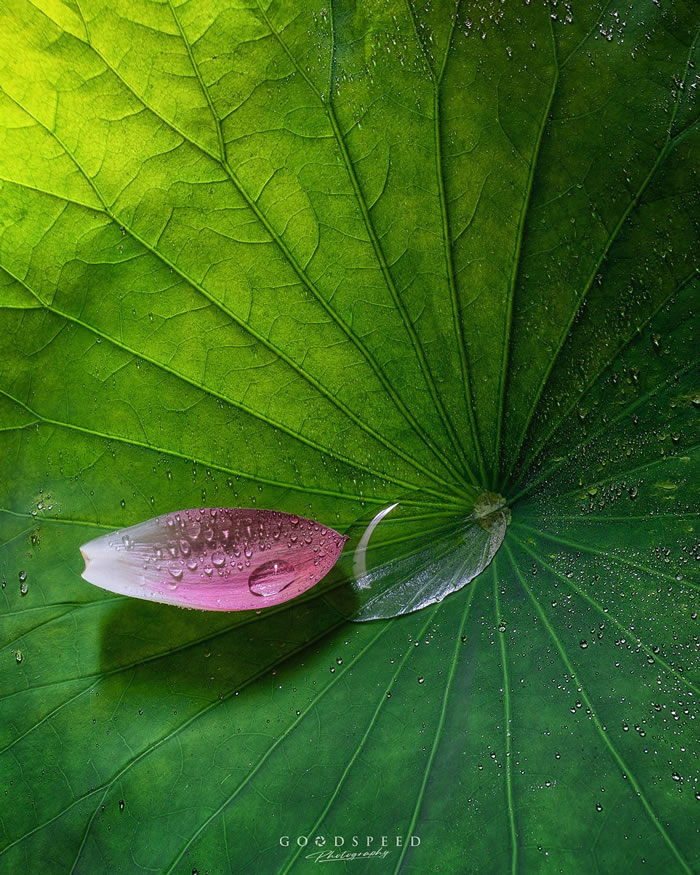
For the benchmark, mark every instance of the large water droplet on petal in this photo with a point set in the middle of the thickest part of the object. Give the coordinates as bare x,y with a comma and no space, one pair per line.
271,578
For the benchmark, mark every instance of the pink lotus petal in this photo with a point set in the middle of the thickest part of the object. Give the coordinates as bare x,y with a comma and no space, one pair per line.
214,559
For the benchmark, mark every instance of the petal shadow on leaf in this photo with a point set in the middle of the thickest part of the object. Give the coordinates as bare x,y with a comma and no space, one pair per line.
235,649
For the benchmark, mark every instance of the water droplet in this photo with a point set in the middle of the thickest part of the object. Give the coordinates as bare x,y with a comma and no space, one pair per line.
271,578
22,576
193,529
185,547
176,573
583,644
121,805
19,656
218,560
421,680
598,806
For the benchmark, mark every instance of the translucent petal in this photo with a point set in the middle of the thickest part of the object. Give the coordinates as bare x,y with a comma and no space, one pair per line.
402,563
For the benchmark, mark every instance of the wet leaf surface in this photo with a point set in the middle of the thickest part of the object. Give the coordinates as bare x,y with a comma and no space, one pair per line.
320,260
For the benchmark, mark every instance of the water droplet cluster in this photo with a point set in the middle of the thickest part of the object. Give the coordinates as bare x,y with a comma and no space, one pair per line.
210,544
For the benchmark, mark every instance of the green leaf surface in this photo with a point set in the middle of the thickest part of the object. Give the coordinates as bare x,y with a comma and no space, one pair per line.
322,259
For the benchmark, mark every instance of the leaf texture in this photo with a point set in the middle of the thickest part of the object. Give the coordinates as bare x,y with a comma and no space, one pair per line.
321,260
